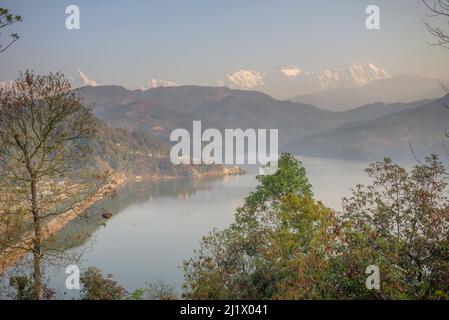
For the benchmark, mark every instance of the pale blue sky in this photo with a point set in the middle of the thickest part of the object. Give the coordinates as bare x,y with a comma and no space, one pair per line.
129,42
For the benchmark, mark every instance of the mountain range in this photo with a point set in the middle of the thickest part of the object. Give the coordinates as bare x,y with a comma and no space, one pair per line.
364,132
404,88
291,81
337,88
419,130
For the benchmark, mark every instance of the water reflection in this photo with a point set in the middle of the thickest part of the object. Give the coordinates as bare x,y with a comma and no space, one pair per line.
156,224
80,230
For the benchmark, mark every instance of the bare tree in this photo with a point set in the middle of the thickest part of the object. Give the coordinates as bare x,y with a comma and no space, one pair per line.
6,19
438,9
44,134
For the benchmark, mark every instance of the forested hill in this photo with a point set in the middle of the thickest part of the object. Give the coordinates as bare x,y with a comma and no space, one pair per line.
368,132
137,154
391,135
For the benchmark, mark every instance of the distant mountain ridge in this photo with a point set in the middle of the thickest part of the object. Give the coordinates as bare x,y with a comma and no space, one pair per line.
404,88
391,135
292,81
158,111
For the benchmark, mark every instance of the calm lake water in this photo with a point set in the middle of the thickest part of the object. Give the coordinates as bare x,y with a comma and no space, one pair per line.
158,224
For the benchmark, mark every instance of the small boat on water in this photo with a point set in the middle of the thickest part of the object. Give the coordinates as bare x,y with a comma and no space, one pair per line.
107,215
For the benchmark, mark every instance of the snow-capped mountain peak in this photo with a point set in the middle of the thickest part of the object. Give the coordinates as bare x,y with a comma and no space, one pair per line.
291,81
349,76
291,72
244,79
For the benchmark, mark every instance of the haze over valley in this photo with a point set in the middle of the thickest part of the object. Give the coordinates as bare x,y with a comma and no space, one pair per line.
366,132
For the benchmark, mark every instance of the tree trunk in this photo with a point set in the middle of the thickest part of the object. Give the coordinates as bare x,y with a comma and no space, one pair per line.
37,254
38,289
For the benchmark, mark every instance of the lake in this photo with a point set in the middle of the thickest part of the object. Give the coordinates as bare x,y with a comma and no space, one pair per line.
158,224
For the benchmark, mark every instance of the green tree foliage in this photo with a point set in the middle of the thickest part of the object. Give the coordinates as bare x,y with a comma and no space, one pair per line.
23,288
96,286
290,178
155,290
285,245
401,223
242,261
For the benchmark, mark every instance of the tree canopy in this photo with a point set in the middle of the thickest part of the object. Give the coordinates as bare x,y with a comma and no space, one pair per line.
286,245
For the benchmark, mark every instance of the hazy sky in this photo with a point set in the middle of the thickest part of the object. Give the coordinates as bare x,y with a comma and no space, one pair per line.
129,42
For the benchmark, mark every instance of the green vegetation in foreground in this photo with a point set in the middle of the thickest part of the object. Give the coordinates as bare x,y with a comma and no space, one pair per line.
284,244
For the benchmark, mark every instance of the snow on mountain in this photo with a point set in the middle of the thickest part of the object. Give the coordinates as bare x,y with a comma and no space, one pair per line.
244,79
349,76
156,83
292,81
86,80
291,72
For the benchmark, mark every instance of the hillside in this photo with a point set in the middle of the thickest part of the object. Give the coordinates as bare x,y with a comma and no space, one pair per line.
376,110
424,127
160,110
137,154
405,88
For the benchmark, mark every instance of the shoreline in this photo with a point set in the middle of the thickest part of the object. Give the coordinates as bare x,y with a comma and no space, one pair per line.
16,252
